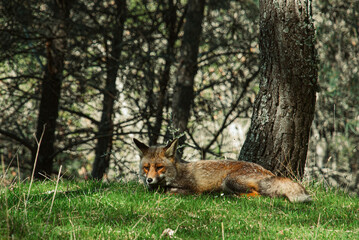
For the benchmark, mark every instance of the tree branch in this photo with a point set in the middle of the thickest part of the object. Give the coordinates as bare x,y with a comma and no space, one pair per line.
18,139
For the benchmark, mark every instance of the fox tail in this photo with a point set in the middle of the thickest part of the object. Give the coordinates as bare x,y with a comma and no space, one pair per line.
280,186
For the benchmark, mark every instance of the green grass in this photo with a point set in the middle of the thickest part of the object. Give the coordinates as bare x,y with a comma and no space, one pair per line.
92,210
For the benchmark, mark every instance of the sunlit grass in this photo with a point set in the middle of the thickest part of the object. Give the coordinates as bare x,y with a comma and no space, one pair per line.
92,210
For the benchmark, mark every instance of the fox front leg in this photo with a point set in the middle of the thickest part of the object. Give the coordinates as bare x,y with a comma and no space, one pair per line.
174,190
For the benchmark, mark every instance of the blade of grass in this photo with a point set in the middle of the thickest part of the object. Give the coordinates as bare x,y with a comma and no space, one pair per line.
18,167
317,229
53,197
35,162
34,167
6,203
222,231
134,226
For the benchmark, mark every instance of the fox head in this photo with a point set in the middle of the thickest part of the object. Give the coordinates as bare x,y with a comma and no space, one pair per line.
158,164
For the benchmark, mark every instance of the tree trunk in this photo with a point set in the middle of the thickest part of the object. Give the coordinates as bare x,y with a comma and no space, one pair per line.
105,131
284,107
170,20
51,89
187,70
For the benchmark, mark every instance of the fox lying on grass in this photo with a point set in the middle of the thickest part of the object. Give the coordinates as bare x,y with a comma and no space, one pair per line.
159,168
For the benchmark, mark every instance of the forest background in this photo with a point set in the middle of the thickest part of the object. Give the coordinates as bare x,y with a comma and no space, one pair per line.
99,73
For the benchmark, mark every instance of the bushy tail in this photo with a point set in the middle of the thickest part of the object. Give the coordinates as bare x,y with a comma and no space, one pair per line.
280,186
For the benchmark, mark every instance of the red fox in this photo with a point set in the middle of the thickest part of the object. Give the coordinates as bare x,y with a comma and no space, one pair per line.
159,168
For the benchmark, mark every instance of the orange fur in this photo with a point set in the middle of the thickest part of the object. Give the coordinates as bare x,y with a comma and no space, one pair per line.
252,194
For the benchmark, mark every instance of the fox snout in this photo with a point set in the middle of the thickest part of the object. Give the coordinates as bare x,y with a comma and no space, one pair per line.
153,180
154,173
149,180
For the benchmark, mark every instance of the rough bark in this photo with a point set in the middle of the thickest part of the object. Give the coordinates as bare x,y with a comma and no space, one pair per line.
187,70
284,107
51,89
105,131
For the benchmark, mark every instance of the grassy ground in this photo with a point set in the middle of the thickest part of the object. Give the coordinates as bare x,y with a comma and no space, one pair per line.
92,210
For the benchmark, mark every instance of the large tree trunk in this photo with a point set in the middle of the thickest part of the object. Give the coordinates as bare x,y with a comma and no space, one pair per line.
284,107
187,70
51,89
105,132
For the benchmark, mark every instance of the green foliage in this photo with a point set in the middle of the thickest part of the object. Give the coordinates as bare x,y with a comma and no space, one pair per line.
93,210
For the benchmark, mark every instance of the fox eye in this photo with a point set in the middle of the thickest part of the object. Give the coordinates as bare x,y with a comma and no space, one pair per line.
146,168
159,167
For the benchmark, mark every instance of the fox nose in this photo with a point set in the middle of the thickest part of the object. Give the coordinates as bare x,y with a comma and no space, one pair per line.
149,180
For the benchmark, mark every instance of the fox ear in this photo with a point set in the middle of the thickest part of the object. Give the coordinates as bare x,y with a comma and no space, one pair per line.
171,148
143,147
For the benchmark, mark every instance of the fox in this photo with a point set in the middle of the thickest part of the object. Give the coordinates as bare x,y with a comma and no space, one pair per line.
161,169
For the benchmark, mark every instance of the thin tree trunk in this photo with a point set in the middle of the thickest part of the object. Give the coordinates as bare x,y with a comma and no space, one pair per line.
187,70
284,107
170,19
105,131
51,90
